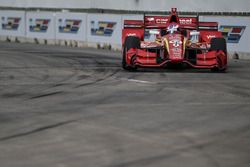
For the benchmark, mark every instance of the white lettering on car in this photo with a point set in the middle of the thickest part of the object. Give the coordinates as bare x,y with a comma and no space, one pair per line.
210,36
131,34
161,21
151,19
186,21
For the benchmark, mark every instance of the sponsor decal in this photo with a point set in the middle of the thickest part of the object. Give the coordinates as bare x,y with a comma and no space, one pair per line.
10,23
186,21
69,26
161,21
176,50
211,36
232,33
131,34
148,44
182,21
176,43
39,25
157,20
151,19
102,28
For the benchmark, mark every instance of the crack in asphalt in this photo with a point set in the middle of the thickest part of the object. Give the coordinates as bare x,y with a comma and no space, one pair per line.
46,95
37,130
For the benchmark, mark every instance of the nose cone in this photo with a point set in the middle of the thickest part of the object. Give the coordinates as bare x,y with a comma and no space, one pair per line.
175,47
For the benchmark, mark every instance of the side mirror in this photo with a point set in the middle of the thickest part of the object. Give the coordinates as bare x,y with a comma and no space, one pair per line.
154,32
194,36
193,33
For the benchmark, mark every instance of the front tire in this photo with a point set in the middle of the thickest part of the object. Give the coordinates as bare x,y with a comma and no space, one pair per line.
219,44
130,42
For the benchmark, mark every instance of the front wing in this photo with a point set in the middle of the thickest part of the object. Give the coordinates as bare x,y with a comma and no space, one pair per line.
205,60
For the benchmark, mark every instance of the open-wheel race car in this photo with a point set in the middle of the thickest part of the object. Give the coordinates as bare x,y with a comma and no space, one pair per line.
177,40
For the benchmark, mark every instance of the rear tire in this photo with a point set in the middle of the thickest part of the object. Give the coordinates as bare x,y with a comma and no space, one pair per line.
130,42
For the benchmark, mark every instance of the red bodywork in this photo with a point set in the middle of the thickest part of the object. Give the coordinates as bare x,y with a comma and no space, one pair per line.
177,45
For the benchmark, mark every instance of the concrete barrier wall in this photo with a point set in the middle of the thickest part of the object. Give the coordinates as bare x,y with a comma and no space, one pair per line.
99,30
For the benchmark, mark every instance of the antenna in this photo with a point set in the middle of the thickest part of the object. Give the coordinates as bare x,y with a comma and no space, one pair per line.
174,10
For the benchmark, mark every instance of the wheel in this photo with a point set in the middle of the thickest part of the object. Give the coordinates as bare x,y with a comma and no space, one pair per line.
219,69
216,45
130,42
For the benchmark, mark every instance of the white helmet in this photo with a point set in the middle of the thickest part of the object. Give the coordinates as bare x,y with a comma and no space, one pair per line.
172,28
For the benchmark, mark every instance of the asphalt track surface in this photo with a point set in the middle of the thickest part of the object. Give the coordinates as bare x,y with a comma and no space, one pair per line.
69,107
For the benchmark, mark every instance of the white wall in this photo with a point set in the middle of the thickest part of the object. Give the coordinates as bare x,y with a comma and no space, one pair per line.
150,5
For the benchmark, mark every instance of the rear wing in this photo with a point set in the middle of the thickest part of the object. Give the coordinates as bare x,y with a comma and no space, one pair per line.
133,24
187,24
208,26
160,22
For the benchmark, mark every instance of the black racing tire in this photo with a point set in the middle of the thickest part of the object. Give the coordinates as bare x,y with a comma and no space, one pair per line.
130,42
218,44
217,69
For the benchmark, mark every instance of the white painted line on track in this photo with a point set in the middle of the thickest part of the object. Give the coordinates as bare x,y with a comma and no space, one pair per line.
140,81
136,80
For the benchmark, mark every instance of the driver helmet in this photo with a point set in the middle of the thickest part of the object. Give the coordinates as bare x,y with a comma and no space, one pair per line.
173,27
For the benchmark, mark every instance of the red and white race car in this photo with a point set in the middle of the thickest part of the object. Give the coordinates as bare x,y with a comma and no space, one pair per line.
178,40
